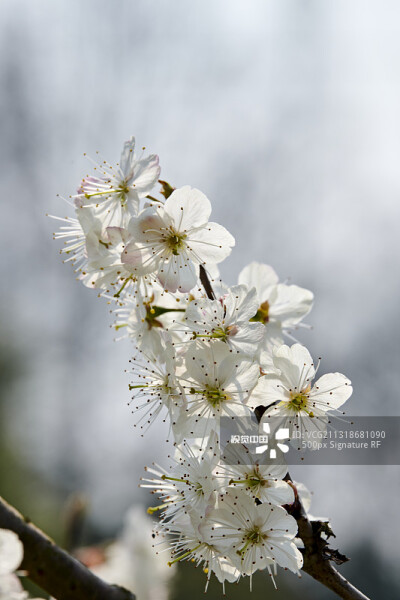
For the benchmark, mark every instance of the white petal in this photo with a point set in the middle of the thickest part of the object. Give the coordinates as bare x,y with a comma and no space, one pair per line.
148,227
88,220
305,495
201,357
211,244
239,375
127,157
277,521
240,303
260,276
248,338
11,551
295,364
286,555
138,259
116,235
146,173
188,208
277,492
332,390
269,389
11,588
272,339
289,304
178,274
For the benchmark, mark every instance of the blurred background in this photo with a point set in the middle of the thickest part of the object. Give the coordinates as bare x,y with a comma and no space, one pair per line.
286,114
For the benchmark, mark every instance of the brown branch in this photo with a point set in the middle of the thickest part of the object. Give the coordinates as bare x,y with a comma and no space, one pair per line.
316,559
206,283
53,569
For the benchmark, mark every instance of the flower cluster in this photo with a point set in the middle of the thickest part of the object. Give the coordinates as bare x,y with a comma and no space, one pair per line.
203,350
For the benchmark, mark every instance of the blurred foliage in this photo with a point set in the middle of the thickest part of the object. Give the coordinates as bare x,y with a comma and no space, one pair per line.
367,571
31,494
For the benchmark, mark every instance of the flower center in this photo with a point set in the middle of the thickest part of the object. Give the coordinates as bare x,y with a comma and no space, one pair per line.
262,314
298,401
251,537
215,396
254,535
199,489
222,333
153,312
151,317
254,480
175,241
123,191
166,388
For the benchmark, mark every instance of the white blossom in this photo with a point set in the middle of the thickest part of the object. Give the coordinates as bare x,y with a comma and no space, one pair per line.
253,536
104,249
289,394
74,240
114,193
189,544
244,470
216,383
227,319
174,239
189,483
155,385
281,307
144,317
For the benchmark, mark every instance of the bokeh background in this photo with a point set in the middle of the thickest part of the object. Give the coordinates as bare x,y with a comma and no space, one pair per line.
286,114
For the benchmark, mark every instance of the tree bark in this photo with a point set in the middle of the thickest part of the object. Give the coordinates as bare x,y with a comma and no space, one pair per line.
316,562
53,569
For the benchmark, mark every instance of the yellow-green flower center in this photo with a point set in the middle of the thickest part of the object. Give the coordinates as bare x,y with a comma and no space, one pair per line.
219,333
151,317
251,537
199,489
123,191
175,241
254,480
298,401
215,396
254,535
262,314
